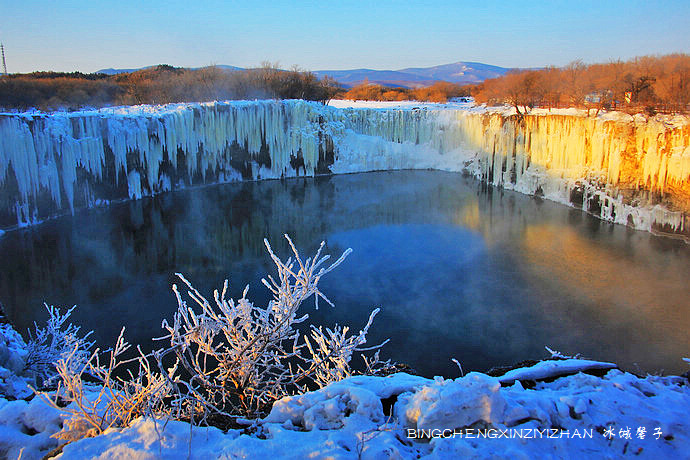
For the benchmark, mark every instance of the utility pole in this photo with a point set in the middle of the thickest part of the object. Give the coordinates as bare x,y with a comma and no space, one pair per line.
4,65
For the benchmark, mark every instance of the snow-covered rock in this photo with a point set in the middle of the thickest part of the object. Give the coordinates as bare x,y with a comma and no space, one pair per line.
400,416
12,362
12,349
326,408
448,404
578,416
554,368
26,428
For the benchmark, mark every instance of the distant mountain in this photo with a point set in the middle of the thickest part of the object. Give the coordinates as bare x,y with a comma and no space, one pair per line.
413,77
226,67
459,72
382,77
112,71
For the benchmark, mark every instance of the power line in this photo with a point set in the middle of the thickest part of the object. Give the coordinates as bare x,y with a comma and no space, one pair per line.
4,64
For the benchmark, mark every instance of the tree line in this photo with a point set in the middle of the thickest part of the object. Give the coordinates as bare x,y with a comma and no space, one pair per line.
438,92
649,83
160,85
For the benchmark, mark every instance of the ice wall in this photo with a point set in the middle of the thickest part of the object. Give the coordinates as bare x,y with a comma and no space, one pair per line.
46,159
629,170
632,171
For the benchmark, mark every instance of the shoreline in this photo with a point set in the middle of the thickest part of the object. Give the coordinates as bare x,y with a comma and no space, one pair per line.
408,416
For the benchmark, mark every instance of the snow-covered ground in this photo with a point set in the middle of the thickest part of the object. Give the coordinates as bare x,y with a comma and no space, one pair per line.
576,415
398,105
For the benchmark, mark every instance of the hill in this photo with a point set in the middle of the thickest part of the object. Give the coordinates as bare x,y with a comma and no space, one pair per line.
111,71
413,77
459,72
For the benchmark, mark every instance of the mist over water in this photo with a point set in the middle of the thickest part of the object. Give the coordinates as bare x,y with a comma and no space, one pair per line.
459,270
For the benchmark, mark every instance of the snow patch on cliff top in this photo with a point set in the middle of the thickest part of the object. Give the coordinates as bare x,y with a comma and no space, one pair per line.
671,120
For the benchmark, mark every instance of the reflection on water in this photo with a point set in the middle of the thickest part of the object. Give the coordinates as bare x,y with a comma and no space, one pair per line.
487,277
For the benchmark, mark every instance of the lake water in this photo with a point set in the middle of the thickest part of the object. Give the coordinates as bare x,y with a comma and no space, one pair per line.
486,276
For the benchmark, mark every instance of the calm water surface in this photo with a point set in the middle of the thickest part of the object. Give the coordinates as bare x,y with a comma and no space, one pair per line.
487,277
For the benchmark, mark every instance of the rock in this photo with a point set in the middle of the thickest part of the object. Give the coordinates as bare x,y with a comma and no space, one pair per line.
448,404
4,351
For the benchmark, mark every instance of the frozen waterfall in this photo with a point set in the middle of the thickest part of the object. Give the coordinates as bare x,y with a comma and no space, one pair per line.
631,171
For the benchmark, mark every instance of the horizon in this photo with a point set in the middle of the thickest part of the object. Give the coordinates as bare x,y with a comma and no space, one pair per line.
310,70
87,36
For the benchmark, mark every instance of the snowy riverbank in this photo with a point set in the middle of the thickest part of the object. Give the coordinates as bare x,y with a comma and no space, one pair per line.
526,413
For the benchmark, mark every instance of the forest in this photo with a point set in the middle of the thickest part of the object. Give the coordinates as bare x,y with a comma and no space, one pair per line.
438,92
648,84
159,85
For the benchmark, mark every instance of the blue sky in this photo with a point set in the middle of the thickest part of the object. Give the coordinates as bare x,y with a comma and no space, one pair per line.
384,34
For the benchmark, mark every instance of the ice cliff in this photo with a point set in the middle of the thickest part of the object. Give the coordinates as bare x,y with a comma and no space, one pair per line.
629,170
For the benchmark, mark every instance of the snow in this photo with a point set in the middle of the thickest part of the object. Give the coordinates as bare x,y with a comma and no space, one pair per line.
26,428
549,369
473,416
346,419
12,360
398,105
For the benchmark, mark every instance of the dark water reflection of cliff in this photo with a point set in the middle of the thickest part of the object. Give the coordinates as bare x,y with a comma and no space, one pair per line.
459,271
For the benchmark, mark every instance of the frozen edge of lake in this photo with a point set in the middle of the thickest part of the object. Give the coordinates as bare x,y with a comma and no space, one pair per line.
399,416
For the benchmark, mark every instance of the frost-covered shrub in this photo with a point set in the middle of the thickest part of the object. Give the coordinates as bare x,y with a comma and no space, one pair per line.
333,351
231,356
58,353
113,402
53,343
242,357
